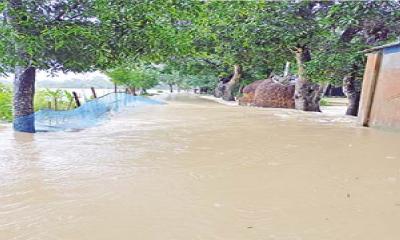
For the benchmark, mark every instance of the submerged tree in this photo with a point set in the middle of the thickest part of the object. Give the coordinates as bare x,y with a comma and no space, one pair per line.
326,38
230,40
48,35
78,36
134,78
245,40
356,26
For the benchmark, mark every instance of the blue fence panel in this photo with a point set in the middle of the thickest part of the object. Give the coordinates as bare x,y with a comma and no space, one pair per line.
89,114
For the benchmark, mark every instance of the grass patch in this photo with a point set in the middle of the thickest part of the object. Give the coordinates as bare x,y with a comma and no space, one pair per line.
324,102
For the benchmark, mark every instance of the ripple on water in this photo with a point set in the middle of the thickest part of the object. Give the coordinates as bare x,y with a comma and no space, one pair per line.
199,170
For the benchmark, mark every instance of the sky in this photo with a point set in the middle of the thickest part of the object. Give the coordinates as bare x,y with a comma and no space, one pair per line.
43,75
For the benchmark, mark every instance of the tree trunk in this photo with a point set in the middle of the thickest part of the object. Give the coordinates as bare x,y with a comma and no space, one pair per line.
132,90
352,94
349,81
227,94
219,89
307,94
55,103
171,88
24,91
24,80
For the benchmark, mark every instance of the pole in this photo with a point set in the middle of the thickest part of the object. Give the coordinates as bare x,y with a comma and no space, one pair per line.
78,103
93,92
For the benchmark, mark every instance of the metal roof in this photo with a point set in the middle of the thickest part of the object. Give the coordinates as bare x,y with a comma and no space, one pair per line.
374,49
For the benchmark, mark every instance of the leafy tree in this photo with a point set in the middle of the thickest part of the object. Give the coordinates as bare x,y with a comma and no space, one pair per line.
171,79
231,42
245,39
48,35
53,99
134,78
55,96
326,38
78,36
355,26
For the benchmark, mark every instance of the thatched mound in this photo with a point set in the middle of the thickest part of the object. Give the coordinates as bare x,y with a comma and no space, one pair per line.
249,93
268,93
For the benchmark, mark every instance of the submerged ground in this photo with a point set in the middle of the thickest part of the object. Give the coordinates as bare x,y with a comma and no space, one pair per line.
195,169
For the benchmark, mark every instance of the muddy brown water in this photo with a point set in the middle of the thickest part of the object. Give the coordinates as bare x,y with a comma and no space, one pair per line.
195,169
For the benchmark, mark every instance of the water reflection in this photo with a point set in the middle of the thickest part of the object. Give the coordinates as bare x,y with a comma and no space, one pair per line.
194,169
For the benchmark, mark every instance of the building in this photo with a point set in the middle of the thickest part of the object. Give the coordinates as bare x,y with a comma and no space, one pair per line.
380,96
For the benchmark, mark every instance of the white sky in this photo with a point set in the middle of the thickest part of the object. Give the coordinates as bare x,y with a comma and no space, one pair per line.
43,75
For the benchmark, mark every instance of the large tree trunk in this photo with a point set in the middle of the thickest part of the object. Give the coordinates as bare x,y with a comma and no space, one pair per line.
24,81
349,81
352,92
227,93
307,94
132,90
219,89
24,91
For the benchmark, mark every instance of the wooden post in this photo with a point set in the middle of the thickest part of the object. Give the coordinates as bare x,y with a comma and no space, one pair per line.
93,92
368,87
78,103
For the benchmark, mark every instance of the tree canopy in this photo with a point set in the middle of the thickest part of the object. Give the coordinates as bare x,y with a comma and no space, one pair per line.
73,35
197,41
134,78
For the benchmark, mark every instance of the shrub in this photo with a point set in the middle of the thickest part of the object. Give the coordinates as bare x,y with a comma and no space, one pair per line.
53,99
324,102
5,103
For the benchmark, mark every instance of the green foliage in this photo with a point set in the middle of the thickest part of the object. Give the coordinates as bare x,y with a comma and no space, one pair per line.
5,103
351,27
198,41
44,99
236,32
71,35
139,77
324,102
56,35
330,66
54,99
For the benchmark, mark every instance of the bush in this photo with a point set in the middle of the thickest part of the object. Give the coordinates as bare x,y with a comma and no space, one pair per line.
44,99
53,99
5,103
324,102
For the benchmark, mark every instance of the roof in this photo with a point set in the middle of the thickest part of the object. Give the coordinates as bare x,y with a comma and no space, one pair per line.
374,49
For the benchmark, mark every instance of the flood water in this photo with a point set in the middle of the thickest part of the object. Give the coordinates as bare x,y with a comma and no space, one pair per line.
195,169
